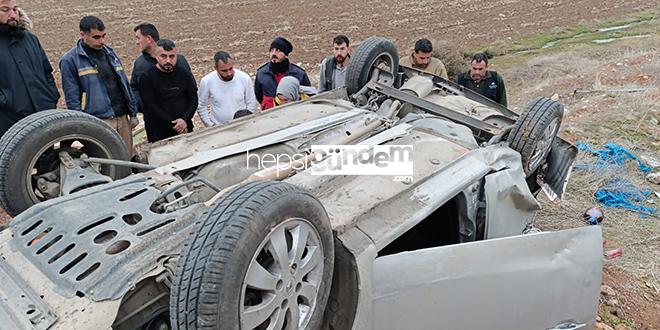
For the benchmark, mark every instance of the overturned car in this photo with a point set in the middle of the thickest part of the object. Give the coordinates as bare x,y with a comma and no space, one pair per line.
210,236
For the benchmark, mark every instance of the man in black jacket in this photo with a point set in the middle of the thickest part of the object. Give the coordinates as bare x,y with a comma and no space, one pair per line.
169,95
483,81
146,37
270,74
26,76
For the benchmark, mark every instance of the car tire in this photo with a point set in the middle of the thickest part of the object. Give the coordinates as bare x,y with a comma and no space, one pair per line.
30,145
534,132
229,266
366,58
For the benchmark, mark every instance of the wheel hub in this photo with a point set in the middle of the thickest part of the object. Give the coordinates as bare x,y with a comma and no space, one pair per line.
284,276
289,286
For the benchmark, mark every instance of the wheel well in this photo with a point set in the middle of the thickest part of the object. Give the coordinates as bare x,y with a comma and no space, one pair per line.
342,303
149,300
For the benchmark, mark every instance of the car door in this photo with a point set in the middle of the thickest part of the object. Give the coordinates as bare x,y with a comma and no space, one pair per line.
547,280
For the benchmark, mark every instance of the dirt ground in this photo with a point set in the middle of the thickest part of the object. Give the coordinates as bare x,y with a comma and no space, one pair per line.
611,93
245,28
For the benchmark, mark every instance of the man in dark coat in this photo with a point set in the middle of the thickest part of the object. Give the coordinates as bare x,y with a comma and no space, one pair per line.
270,74
169,95
26,76
146,37
95,82
483,81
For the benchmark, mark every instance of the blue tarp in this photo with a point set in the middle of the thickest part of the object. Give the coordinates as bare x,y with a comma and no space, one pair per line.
618,192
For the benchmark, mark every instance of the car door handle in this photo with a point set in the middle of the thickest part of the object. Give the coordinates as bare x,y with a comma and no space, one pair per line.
569,326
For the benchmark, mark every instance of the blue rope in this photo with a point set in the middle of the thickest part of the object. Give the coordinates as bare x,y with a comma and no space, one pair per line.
618,192
614,154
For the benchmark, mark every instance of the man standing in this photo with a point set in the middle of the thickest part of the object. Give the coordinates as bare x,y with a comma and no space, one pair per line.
421,59
146,37
228,89
333,68
483,81
169,95
26,76
94,80
270,74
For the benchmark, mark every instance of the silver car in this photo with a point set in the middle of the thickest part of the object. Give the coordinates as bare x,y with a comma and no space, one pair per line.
233,227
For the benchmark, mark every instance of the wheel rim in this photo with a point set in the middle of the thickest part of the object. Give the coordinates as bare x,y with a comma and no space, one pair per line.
281,285
47,160
543,146
383,68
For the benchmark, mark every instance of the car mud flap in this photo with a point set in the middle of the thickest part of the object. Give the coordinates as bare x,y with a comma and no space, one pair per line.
558,170
510,205
20,306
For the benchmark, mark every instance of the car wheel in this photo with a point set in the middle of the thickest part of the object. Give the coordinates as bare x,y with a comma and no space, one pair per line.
534,132
29,160
261,257
375,53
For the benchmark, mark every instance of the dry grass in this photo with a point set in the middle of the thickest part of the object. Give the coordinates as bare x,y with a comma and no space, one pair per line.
599,113
453,56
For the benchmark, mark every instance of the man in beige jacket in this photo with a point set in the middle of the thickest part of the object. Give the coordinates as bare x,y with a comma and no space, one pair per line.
421,59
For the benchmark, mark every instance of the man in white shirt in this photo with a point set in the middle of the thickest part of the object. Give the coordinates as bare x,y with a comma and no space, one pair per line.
229,90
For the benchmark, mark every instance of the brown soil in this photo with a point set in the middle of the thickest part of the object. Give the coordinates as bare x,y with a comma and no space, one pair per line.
245,28
601,113
628,304
4,217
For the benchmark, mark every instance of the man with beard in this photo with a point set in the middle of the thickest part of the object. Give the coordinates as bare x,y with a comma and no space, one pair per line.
333,68
26,76
146,37
270,74
228,89
483,81
169,95
94,80
421,59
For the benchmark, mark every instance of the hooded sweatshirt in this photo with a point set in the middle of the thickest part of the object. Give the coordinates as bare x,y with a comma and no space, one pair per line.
289,87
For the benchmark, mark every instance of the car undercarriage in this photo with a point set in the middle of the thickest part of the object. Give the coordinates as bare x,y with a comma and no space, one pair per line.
203,235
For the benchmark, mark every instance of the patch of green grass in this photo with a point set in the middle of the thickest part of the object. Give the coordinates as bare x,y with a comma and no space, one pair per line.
614,321
643,23
625,130
628,127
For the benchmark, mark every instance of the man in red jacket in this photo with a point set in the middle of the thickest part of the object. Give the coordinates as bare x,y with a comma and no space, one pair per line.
270,74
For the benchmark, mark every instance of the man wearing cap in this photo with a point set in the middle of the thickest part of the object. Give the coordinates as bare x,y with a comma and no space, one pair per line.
270,74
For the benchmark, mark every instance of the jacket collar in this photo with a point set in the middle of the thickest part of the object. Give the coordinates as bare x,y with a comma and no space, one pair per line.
486,77
81,50
148,58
